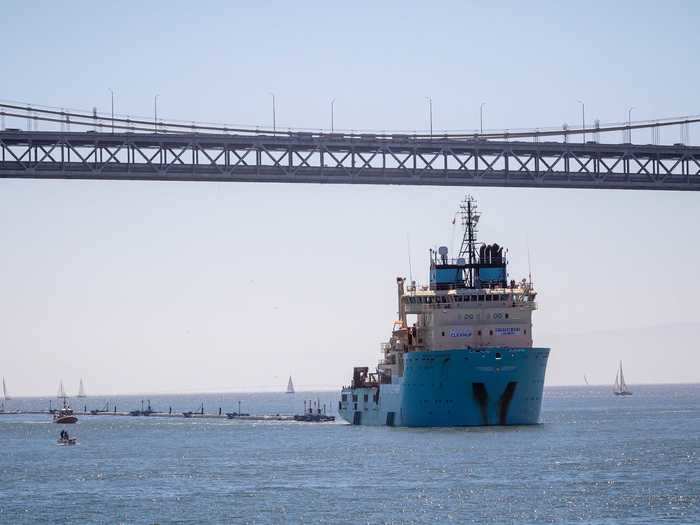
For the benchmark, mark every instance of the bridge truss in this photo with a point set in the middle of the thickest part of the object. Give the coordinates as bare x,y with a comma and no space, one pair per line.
338,159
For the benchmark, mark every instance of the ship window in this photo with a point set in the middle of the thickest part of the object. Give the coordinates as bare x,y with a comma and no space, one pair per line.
345,397
481,298
366,398
354,397
429,300
525,331
490,332
466,298
488,297
443,334
479,332
506,316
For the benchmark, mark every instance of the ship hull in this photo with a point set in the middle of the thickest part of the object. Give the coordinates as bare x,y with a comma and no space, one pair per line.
66,420
451,388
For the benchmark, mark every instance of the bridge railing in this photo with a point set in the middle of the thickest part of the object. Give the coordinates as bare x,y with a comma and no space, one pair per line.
100,122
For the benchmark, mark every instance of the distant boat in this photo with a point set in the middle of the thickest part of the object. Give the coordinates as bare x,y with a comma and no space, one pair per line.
61,391
64,415
585,379
81,389
67,441
290,386
5,397
620,387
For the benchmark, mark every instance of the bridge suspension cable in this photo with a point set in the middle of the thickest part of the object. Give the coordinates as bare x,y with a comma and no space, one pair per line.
107,122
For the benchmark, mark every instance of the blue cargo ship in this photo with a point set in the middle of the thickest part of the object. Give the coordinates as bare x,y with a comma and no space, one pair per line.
461,352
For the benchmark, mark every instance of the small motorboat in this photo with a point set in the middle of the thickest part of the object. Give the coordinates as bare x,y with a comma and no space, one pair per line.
65,416
67,441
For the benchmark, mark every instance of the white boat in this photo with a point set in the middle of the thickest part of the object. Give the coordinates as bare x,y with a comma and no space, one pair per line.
81,389
65,415
290,386
620,387
61,391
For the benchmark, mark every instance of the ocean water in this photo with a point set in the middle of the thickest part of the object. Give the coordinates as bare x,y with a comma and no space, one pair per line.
596,459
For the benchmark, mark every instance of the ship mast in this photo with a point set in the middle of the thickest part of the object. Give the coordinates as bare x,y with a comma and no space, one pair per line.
470,218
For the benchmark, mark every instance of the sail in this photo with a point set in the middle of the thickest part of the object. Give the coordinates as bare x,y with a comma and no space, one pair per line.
620,387
290,386
4,391
81,389
61,390
623,385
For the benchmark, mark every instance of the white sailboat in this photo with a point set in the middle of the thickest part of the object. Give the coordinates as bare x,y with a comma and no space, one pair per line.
81,389
4,397
61,391
290,386
620,387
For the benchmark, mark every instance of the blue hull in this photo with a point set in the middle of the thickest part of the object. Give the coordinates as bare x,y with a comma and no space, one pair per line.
452,388
489,386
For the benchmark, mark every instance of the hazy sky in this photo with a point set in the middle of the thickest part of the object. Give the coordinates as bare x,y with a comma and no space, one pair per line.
152,287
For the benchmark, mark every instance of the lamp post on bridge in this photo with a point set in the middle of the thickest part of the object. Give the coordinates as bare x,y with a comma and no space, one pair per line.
430,114
155,113
629,124
112,93
274,111
481,117
583,119
332,116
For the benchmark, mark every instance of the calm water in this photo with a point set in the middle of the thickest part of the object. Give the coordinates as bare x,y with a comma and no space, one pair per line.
596,459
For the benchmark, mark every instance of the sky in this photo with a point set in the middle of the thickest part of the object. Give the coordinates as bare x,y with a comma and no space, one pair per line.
144,287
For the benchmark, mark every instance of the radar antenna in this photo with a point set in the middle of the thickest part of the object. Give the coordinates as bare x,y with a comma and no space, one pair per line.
469,216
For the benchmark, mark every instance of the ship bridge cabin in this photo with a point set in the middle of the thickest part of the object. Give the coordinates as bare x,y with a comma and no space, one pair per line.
466,305
488,272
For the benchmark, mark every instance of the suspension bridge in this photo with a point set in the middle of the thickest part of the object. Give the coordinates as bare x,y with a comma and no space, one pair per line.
92,146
